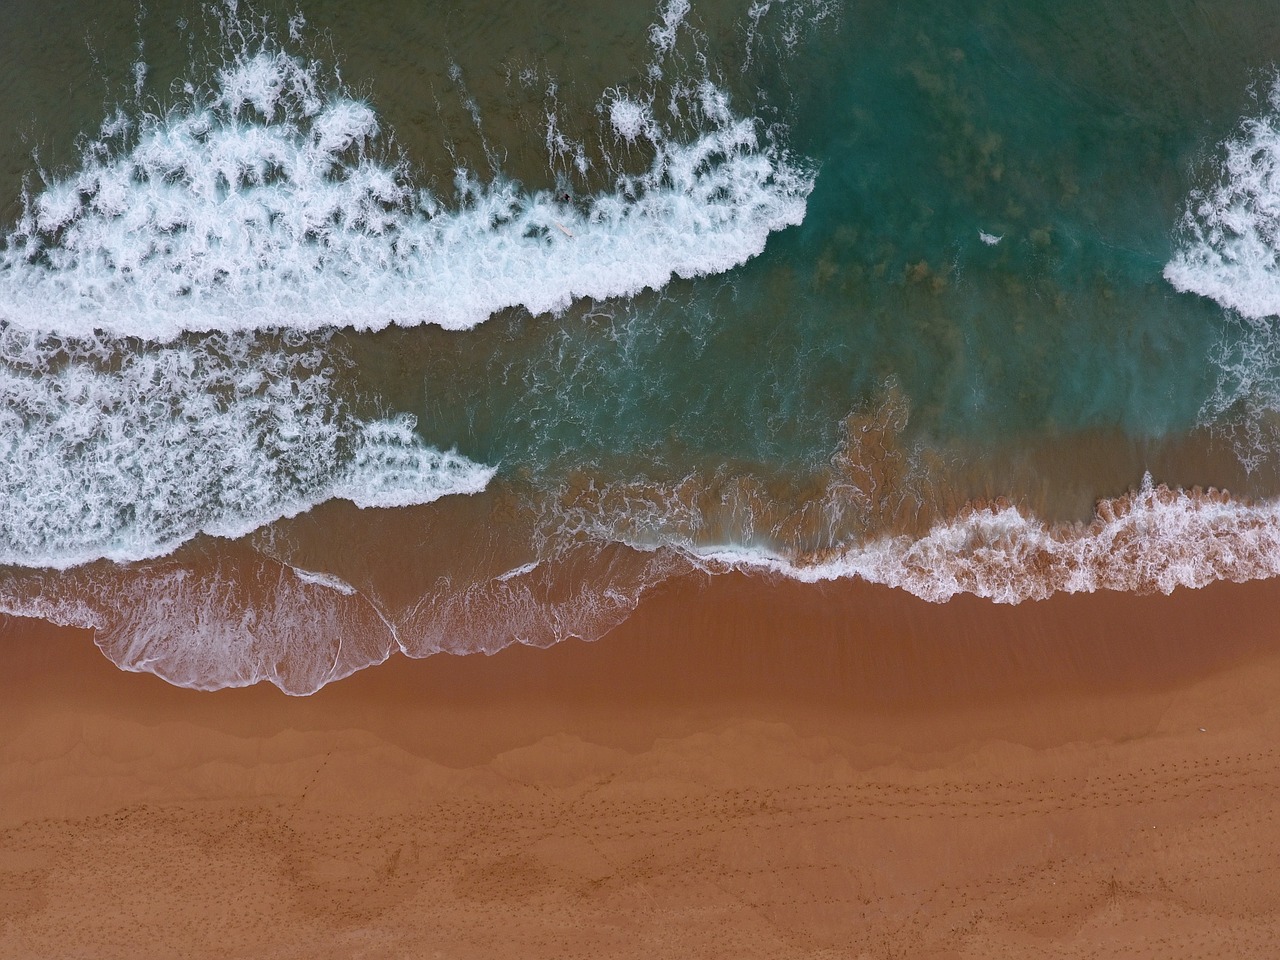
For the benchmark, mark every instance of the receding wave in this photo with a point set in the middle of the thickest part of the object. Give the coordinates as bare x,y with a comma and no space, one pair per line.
263,609
1230,233
112,451
247,618
229,624
262,620
266,199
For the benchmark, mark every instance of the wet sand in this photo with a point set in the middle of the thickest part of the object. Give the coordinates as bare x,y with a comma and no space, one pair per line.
740,770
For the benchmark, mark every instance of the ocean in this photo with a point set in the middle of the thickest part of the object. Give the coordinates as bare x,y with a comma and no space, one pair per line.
330,331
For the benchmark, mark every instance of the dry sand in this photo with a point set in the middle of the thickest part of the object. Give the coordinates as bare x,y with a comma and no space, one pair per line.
739,771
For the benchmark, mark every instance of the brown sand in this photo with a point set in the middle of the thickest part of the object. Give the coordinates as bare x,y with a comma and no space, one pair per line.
739,771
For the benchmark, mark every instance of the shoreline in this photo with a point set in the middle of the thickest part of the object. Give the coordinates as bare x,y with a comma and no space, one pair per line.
742,768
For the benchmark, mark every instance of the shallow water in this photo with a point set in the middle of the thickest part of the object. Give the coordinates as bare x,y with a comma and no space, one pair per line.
822,289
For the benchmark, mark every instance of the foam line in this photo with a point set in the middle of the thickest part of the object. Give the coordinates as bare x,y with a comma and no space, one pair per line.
231,624
239,623
1152,540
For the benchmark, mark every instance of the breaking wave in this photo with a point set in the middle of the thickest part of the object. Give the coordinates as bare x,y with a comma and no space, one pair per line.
1152,540
1230,232
248,618
266,199
111,451
229,624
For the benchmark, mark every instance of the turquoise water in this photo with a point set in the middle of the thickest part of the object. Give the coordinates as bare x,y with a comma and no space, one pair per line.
571,299
928,130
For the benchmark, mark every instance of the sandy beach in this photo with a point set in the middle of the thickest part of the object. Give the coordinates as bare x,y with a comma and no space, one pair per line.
740,770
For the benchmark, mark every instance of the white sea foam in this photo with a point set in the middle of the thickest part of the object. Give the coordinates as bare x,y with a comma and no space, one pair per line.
662,35
108,451
1153,540
1229,250
324,580
238,621
631,120
520,571
792,20
266,201
1230,233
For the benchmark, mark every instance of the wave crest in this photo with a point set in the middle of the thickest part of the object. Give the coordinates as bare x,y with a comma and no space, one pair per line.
267,200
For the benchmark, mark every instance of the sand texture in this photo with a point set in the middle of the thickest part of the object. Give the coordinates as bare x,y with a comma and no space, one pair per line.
738,772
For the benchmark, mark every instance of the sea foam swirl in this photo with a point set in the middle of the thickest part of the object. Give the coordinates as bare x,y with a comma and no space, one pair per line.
266,200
